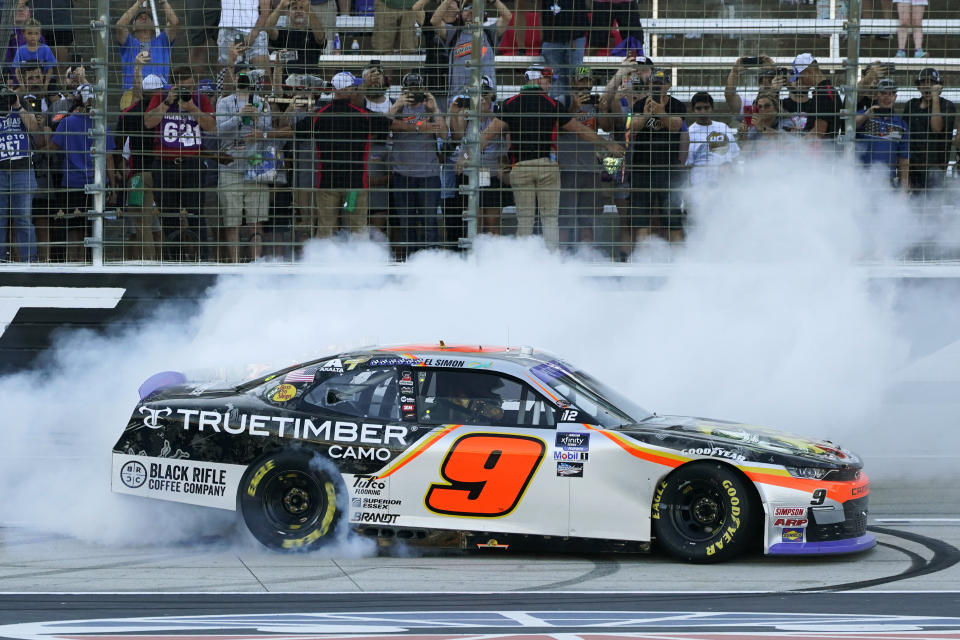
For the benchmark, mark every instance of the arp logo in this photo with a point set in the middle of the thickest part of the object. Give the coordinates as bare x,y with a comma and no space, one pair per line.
790,522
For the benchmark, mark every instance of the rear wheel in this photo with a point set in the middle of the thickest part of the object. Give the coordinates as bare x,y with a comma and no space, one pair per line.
290,502
704,512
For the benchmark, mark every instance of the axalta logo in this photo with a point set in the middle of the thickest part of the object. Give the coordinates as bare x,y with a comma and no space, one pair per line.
302,428
151,416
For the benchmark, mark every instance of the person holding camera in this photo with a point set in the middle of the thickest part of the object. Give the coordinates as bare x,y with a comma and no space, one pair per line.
243,22
414,162
533,120
823,119
883,137
17,181
769,78
243,128
181,117
299,43
375,100
135,33
931,119
73,138
449,21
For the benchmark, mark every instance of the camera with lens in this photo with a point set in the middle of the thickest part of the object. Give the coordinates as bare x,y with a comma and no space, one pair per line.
7,98
31,103
462,101
639,84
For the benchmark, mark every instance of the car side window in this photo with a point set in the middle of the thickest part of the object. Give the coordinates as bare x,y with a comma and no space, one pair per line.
453,396
367,393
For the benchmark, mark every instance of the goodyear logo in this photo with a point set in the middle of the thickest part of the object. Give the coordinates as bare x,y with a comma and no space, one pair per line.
792,535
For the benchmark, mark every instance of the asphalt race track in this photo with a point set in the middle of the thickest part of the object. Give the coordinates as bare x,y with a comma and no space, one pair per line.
905,588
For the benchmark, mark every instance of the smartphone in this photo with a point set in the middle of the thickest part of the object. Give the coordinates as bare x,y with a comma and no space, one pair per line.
751,60
463,102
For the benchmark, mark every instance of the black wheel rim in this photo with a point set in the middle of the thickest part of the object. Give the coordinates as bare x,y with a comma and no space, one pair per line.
700,510
293,501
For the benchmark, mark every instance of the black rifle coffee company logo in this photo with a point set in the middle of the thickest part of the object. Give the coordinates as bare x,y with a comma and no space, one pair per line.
133,474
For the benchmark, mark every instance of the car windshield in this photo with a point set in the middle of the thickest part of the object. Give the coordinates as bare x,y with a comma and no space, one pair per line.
609,408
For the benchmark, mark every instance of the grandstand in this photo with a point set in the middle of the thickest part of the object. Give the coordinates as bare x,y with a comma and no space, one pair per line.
695,42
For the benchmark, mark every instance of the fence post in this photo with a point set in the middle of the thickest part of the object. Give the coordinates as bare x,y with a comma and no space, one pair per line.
101,41
852,67
471,141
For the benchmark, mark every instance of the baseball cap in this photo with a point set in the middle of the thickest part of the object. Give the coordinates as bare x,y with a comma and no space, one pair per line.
537,71
929,74
886,84
800,64
343,80
583,72
153,82
661,75
84,92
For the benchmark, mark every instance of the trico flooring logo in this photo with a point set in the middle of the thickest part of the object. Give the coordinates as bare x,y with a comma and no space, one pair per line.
133,474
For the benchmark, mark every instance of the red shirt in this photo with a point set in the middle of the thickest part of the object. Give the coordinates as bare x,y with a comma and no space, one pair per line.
179,134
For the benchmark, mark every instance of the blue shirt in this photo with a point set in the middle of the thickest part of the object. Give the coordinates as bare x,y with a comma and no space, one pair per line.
883,139
43,54
72,137
159,48
14,139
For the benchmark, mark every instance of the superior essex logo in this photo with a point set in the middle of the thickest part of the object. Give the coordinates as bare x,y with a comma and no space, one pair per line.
301,428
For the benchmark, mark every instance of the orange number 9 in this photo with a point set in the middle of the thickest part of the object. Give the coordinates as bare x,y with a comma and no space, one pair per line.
486,475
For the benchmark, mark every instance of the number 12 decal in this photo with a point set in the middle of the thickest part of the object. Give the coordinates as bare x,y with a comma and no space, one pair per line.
486,475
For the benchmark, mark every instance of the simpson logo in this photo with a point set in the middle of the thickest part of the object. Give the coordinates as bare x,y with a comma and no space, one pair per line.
790,522
573,441
792,535
790,511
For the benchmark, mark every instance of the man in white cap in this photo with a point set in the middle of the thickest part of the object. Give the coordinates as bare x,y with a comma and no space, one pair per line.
823,111
342,132
533,118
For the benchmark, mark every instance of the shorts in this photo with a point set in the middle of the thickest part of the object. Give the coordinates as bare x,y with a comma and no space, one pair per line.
242,202
915,3
202,20
823,9
57,37
496,196
225,39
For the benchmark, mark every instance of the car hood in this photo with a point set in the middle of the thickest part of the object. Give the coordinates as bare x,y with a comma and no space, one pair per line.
734,435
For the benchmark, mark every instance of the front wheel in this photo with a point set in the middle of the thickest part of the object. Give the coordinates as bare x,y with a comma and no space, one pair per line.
289,501
703,512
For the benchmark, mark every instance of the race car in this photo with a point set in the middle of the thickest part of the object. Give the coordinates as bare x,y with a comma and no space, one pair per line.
483,447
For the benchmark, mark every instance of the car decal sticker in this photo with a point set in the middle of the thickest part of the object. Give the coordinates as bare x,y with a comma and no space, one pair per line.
838,491
417,450
650,455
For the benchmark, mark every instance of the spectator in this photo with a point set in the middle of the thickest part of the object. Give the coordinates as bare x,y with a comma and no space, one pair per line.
73,138
930,120
326,12
17,181
133,137
299,111
436,57
341,133
182,118
495,196
449,20
300,41
32,100
793,108
135,32
533,118
883,137
243,126
626,13
823,10
242,22
910,13
202,18
415,166
765,123
823,120
394,26
713,145
378,169
659,141
867,86
581,199
34,51
21,13
33,86
769,78
59,24
565,26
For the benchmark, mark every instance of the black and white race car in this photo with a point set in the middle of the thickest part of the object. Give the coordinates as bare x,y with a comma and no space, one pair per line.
497,447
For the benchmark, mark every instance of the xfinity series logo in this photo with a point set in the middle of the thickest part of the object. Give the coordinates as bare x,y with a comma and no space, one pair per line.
150,421
133,474
573,441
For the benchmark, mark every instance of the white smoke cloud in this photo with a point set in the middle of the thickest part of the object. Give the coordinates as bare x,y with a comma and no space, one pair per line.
766,316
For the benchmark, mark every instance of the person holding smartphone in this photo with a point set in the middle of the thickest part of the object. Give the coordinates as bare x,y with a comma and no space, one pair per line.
931,119
135,32
768,79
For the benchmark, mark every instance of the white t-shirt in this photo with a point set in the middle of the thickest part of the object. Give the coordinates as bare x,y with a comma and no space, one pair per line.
711,146
242,14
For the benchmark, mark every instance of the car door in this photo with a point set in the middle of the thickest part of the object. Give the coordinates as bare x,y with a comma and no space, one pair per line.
486,464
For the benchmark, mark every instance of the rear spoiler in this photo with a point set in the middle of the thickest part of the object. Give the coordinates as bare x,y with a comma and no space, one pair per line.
159,381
